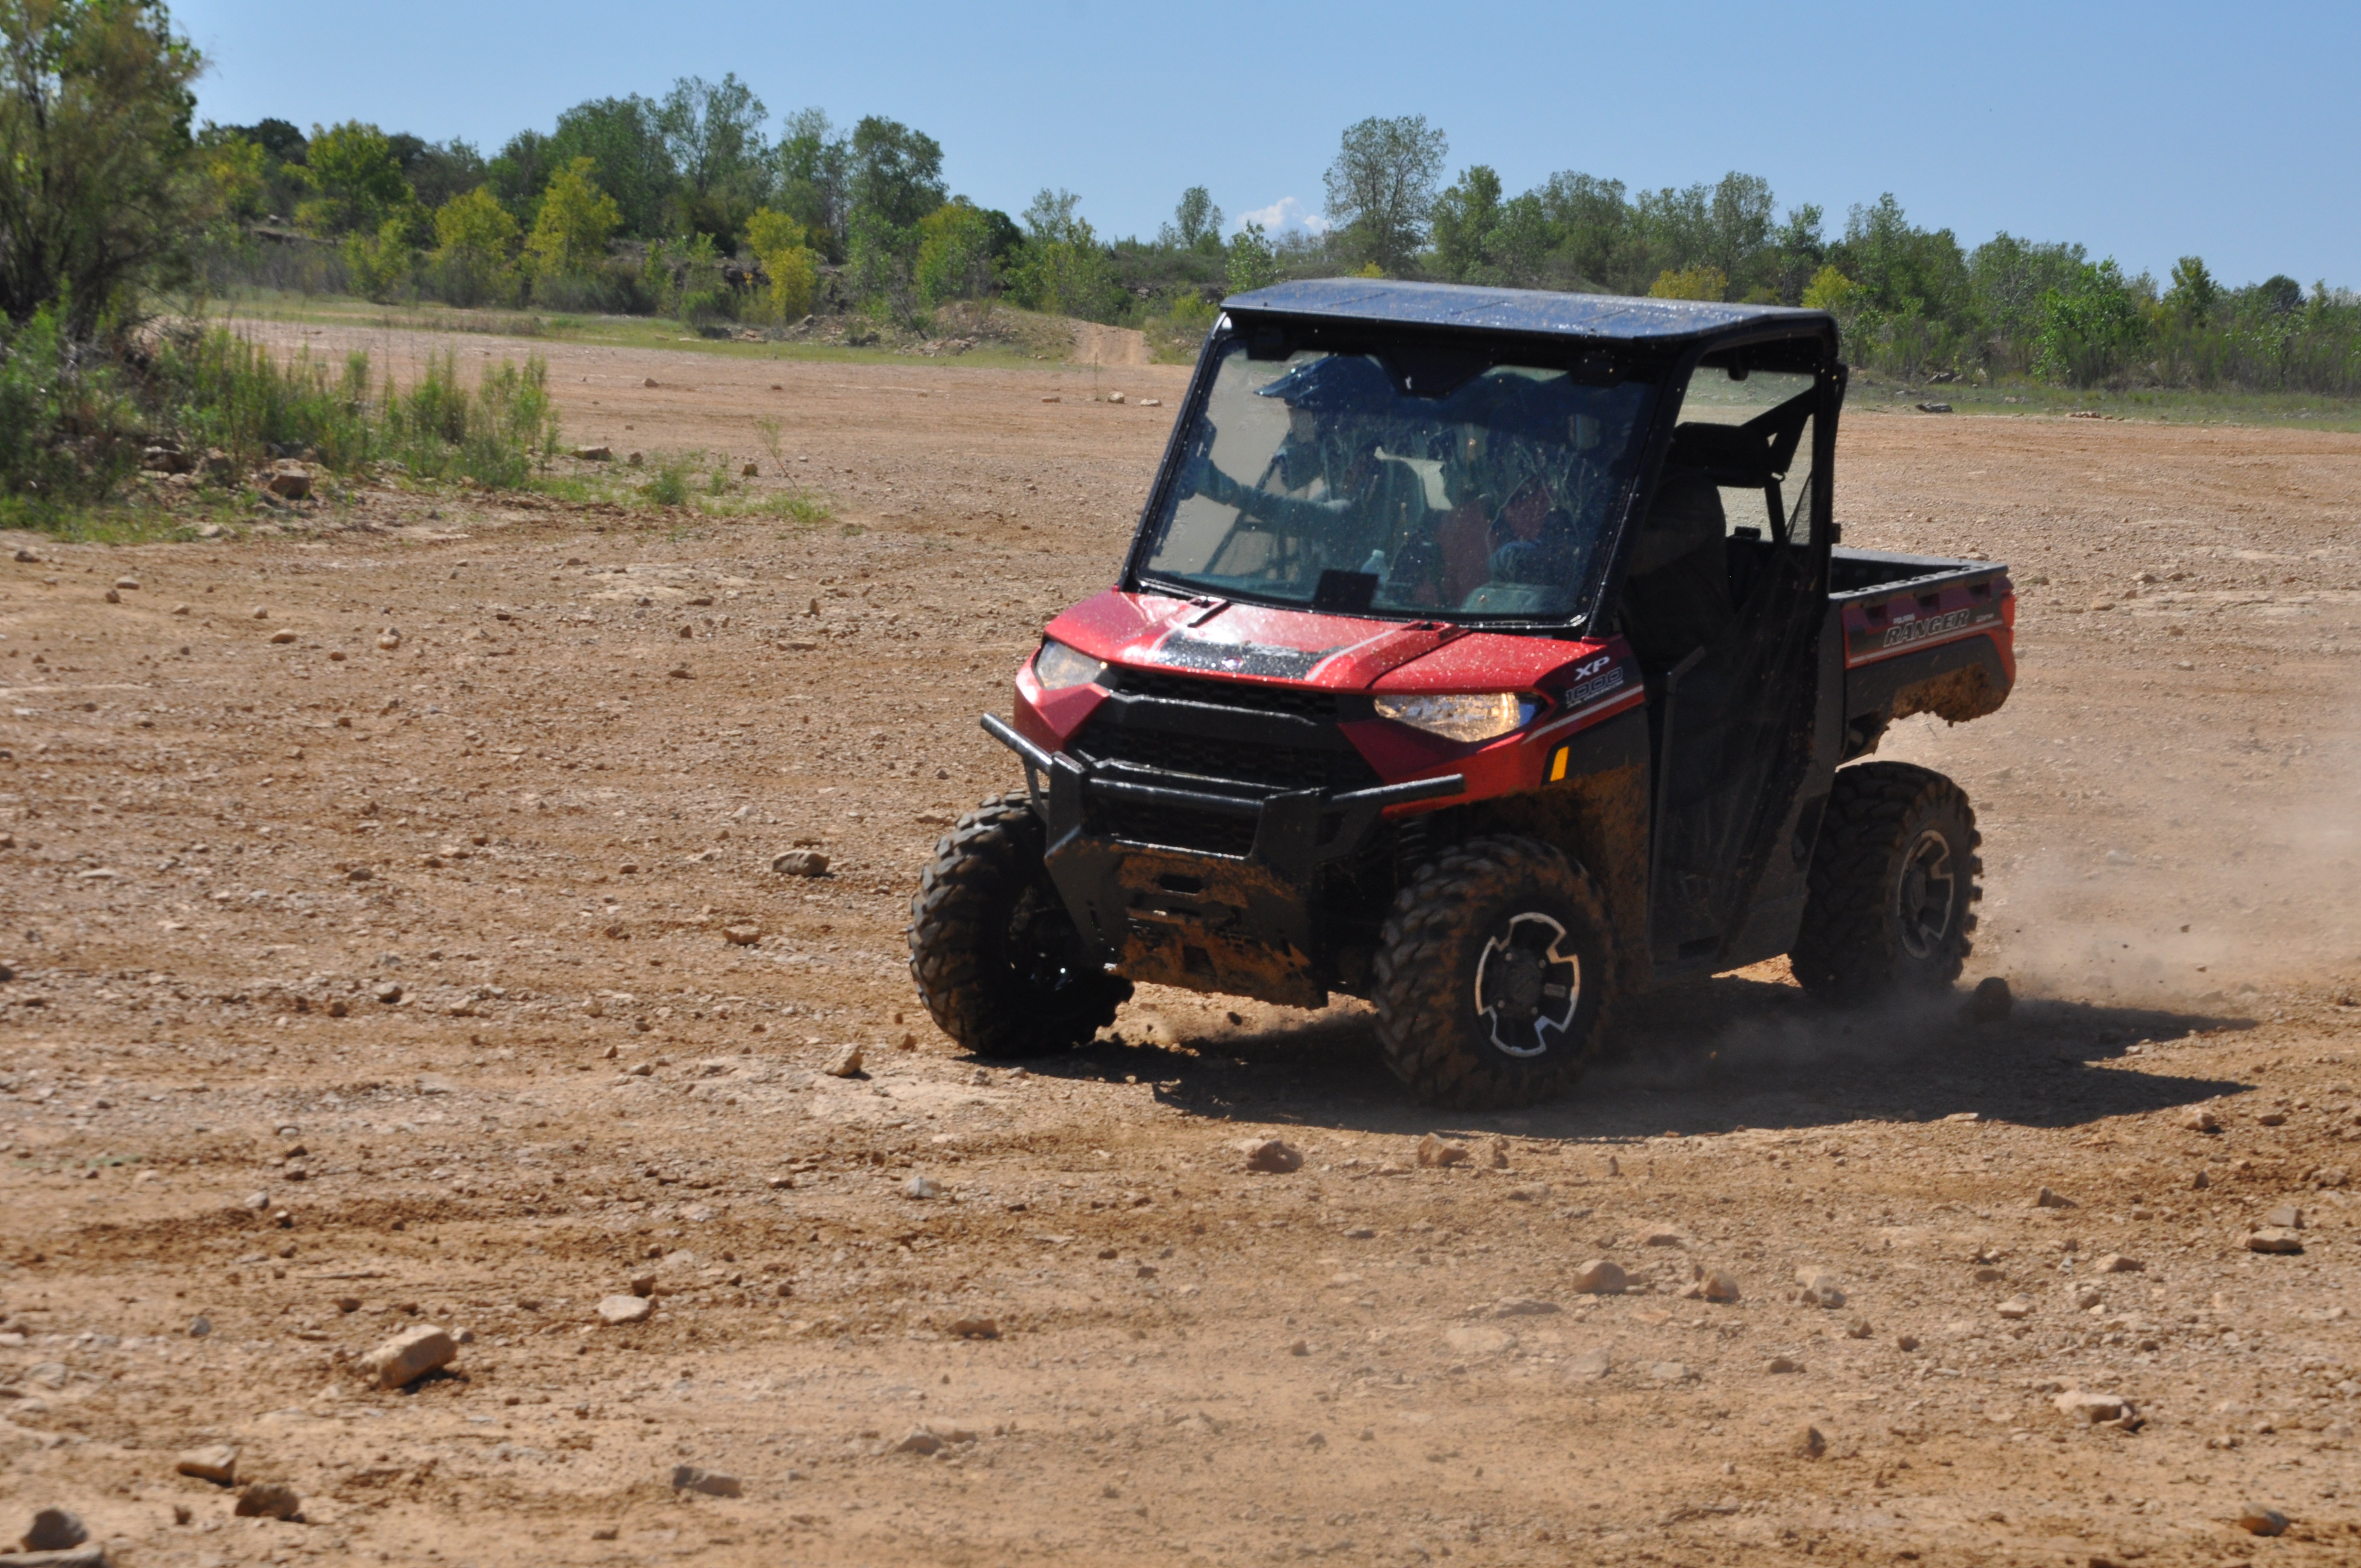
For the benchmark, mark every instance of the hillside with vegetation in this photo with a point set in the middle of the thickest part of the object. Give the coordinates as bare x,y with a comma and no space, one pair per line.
123,218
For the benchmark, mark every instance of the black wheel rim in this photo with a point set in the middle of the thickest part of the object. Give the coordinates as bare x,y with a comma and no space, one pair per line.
1922,899
1527,984
1041,944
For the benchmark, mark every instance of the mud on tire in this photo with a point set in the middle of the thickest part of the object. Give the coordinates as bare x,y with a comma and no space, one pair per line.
996,958
1493,975
1892,885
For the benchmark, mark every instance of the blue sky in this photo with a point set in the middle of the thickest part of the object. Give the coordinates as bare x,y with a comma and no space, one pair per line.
2147,132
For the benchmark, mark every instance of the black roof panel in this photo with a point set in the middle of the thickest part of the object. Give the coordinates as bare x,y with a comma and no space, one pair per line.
1610,316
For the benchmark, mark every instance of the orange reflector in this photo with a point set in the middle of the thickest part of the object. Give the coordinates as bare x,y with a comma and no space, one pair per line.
1557,764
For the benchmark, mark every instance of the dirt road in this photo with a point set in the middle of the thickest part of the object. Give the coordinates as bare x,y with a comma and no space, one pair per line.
399,973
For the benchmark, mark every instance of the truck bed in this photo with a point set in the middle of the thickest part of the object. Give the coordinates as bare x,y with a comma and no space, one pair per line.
1922,634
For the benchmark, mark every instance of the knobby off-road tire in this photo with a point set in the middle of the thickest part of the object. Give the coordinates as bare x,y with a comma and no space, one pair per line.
1893,888
1494,975
996,958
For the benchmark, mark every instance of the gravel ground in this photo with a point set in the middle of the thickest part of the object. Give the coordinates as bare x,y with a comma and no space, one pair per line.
428,968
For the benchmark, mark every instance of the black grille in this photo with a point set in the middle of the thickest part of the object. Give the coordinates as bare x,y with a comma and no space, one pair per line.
1212,832
1241,761
1296,700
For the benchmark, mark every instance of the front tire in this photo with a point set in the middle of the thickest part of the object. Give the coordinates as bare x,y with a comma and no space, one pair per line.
1493,976
1893,888
996,958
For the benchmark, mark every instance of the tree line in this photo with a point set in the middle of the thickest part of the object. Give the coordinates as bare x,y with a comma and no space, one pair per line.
702,204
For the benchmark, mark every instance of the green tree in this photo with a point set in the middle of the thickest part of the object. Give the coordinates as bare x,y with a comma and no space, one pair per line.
576,220
1253,264
814,177
1381,188
1462,219
793,269
1196,222
236,176
630,156
955,253
357,180
1830,290
475,247
2091,329
99,192
436,171
2193,293
1064,269
1595,243
713,132
895,173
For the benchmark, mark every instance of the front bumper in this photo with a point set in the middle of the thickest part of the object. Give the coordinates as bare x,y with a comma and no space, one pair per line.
1245,924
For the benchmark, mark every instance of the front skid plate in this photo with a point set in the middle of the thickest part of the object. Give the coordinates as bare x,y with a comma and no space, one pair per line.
1202,922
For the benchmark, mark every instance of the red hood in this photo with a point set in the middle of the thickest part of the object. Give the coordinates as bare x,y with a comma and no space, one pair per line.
1335,653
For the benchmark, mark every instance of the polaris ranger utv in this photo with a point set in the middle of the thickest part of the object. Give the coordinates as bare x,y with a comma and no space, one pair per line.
1485,655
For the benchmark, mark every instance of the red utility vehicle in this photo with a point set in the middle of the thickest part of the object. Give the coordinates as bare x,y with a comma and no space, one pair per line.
1488,654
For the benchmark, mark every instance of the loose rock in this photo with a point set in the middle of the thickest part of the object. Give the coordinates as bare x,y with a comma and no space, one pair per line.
1720,1285
846,1063
1991,1003
2093,1408
620,1310
919,1441
976,1328
1434,1152
800,862
1783,1363
2275,1239
1810,1444
2015,1308
1589,1363
55,1529
2256,1520
282,636
1523,1307
1819,1288
2287,1217
1270,1156
742,936
710,1482
1600,1278
922,1187
2045,1199
2197,1119
410,1356
217,1464
269,1500
2116,1263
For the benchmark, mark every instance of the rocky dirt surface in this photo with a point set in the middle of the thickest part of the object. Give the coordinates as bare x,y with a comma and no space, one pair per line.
395,945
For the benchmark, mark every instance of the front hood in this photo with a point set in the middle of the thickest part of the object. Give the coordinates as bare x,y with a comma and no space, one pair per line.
1264,643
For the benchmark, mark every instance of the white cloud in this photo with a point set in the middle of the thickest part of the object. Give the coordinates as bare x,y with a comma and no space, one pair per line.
1281,215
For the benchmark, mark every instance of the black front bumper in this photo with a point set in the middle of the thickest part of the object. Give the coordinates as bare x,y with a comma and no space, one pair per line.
1247,923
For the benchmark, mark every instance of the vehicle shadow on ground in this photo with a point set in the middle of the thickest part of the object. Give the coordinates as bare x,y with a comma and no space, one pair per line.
1707,1058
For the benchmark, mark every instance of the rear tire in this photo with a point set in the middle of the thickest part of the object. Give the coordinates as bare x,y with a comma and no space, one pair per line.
996,958
1892,885
1493,976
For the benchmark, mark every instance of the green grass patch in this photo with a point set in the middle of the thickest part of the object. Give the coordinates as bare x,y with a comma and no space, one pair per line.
1874,392
600,331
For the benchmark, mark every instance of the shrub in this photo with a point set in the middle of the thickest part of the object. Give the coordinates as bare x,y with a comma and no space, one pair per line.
67,431
1690,283
494,436
2090,331
793,269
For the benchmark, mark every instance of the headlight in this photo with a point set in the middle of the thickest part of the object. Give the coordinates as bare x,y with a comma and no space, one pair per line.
1057,667
1467,720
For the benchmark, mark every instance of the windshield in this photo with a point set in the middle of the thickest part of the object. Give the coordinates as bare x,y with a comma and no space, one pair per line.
1318,480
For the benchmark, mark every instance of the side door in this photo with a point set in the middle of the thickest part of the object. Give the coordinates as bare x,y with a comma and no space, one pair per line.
1725,599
